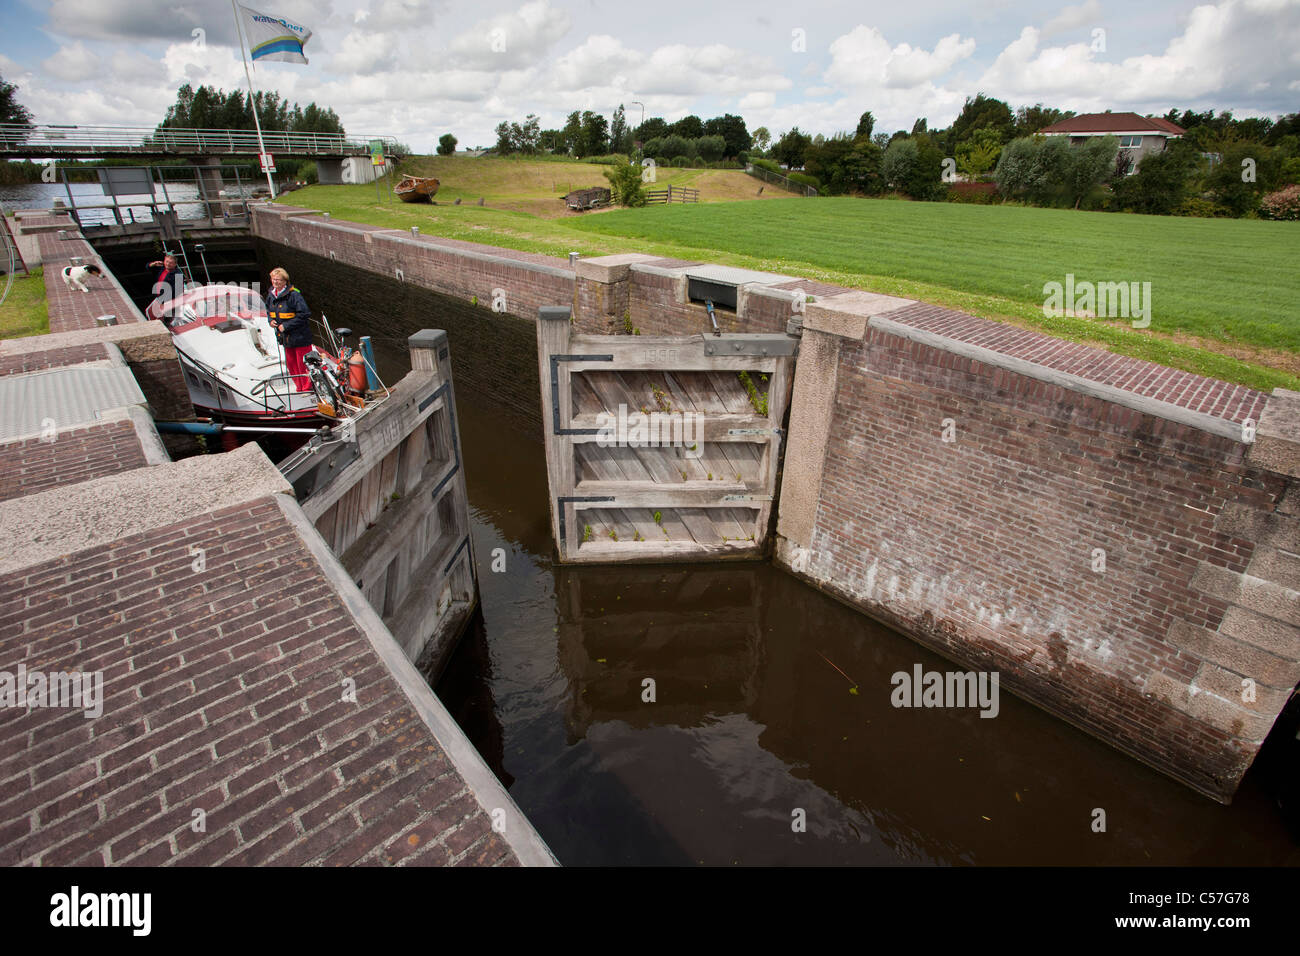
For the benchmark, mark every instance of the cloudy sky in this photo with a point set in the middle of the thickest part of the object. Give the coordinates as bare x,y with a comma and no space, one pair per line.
418,68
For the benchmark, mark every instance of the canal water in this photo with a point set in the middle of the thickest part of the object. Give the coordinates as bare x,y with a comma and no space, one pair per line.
771,738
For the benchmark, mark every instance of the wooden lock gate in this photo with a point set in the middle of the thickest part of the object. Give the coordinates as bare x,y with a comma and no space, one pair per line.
661,448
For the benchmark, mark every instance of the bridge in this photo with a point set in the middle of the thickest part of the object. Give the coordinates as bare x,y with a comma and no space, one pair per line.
19,141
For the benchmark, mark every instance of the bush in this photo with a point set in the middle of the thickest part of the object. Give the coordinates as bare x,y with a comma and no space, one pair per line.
677,146
711,148
979,194
898,162
683,162
771,165
1204,208
803,179
625,185
1283,204
654,148
306,172
613,159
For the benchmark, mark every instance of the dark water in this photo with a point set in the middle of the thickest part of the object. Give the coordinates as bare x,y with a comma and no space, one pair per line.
753,720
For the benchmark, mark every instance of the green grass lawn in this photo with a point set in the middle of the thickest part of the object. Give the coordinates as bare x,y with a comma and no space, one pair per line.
1223,292
24,311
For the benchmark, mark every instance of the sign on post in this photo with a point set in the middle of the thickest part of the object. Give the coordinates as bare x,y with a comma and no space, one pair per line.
268,162
376,152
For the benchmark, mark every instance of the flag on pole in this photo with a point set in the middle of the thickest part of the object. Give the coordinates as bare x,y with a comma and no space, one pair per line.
274,38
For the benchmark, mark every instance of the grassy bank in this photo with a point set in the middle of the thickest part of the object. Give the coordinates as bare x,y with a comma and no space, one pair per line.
24,311
1220,301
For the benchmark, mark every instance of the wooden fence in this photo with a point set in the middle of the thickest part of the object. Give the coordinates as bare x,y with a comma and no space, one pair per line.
672,194
758,172
661,448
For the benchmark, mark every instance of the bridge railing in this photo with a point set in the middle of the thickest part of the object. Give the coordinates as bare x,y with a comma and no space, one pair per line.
54,140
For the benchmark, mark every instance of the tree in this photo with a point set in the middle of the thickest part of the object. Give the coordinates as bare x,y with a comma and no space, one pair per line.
572,133
898,161
711,148
920,127
843,165
1031,120
866,123
653,128
762,138
446,144
790,148
1242,195
594,140
505,144
733,131
1160,184
11,111
625,184
982,111
1091,163
673,146
979,154
620,137
527,137
688,127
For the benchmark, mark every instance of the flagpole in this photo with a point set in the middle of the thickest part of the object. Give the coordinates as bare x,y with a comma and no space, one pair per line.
252,99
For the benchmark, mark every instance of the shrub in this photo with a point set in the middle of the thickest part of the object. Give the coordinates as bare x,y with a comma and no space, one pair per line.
682,162
1283,204
771,165
625,185
899,161
306,172
612,159
1204,208
677,146
803,179
711,148
654,148
980,194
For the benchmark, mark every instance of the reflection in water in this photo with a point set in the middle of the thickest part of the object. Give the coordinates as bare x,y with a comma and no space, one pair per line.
752,723
752,719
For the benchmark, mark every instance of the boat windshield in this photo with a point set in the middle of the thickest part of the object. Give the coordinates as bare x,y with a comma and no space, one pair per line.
223,302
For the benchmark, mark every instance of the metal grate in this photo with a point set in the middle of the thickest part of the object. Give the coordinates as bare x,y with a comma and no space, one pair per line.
64,396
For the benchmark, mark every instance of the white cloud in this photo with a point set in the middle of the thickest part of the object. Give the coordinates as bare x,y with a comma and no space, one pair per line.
511,40
1225,52
73,64
863,59
1071,18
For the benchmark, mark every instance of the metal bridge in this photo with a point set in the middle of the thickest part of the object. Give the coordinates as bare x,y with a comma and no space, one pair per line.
18,141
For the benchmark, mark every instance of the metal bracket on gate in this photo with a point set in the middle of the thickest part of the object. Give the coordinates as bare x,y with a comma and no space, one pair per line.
562,501
754,431
746,497
555,391
750,343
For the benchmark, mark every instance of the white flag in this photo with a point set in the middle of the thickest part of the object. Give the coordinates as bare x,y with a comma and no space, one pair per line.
274,38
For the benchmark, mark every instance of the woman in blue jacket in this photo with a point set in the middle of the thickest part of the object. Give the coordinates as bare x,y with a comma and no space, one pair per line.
291,320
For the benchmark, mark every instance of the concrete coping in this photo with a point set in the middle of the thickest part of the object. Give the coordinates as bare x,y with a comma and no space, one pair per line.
847,314
1075,383
430,242
427,339
133,340
667,272
1277,437
63,521
554,313
613,268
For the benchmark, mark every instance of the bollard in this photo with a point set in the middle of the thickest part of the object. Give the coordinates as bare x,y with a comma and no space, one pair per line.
104,321
573,258
415,230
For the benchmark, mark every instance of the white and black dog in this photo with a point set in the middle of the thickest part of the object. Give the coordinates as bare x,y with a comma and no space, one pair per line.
75,276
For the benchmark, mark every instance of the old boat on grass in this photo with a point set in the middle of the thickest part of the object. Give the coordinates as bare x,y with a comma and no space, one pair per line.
416,189
234,367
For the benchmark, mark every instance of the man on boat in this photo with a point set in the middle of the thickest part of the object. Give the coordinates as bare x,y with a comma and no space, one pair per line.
291,319
170,283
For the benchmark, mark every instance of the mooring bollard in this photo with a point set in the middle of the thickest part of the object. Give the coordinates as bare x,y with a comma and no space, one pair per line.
573,258
415,230
104,321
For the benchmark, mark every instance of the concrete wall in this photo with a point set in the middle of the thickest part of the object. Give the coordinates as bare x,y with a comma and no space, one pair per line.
988,547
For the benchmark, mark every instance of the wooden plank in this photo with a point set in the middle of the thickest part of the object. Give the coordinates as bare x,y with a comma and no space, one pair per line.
661,463
698,524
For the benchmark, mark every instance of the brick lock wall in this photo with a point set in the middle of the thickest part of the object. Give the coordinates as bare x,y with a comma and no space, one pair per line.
983,547
80,454
493,355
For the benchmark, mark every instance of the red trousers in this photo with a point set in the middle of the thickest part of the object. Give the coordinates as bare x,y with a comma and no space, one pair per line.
297,367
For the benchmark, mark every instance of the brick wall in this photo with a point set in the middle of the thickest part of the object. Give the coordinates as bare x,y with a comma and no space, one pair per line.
33,465
221,694
987,547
